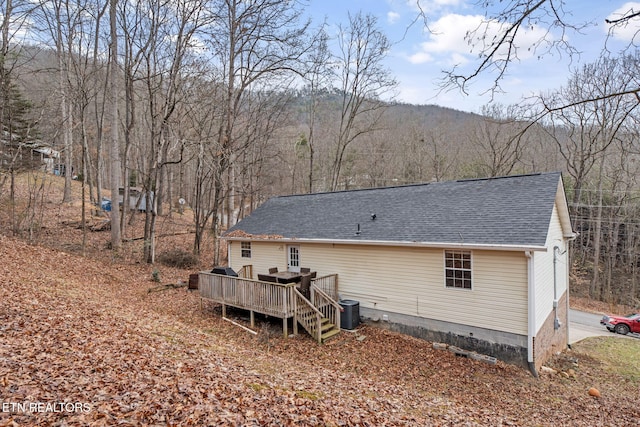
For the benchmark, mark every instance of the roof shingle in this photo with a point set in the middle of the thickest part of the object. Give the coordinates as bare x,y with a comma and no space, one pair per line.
512,211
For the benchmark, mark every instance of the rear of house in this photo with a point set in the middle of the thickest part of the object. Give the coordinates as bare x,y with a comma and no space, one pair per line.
480,264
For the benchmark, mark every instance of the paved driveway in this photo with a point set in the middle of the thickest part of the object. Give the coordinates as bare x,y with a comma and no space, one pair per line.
583,325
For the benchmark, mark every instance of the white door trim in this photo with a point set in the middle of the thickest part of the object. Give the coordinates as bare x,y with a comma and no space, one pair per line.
293,258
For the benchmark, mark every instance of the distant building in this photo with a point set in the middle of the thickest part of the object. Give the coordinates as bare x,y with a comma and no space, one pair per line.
27,155
137,198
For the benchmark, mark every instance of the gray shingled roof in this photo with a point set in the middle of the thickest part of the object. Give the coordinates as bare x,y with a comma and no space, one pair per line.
512,211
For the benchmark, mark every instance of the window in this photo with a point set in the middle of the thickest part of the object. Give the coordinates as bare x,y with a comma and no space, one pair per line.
245,249
457,269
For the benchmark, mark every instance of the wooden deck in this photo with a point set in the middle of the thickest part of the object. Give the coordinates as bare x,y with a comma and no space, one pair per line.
283,301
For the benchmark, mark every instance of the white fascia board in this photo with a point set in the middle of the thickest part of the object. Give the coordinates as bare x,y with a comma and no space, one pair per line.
493,247
563,211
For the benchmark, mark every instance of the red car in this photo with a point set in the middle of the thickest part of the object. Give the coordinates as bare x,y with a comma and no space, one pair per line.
622,324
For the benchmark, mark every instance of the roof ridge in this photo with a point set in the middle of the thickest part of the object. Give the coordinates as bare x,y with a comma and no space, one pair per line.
418,184
490,178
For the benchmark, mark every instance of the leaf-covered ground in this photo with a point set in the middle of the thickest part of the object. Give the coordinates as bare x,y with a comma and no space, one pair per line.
86,337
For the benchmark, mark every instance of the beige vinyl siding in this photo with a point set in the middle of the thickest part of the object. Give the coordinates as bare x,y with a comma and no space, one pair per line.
264,255
410,281
543,270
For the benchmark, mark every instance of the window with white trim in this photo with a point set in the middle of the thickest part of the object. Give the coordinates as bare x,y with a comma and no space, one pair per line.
245,249
457,269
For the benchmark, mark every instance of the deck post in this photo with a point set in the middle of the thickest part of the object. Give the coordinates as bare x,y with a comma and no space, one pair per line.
295,313
285,328
224,310
251,317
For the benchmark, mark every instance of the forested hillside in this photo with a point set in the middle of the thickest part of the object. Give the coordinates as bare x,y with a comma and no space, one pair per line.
226,106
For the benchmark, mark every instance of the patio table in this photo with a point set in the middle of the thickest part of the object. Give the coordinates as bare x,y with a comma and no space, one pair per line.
286,276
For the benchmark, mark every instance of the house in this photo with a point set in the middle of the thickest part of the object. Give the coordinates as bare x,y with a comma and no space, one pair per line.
137,198
481,264
18,154
47,156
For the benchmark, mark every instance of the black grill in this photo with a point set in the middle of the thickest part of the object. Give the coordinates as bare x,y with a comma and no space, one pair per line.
225,271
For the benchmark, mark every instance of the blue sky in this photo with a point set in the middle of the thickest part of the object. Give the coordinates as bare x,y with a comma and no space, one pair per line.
418,57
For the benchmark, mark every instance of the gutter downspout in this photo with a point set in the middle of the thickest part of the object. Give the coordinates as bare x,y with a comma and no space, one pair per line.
531,315
567,273
571,238
556,320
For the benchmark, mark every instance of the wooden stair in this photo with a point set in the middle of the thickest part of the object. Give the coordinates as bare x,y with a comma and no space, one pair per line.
328,330
321,321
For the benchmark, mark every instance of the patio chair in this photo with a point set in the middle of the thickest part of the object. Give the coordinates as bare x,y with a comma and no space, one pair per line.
305,286
266,278
305,270
273,270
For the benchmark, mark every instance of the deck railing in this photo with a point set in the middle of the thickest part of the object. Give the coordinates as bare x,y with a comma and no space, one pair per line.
327,284
273,299
246,272
329,308
308,316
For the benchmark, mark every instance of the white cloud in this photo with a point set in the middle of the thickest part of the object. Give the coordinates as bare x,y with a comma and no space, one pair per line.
449,39
628,30
433,5
392,17
447,2
420,58
458,59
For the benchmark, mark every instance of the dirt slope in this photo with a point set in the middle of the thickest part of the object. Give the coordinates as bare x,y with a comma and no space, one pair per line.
85,342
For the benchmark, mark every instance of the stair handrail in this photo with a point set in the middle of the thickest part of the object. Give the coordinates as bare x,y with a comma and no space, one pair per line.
337,307
316,332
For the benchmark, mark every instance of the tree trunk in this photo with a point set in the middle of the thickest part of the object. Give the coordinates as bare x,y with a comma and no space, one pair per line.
595,280
114,147
65,109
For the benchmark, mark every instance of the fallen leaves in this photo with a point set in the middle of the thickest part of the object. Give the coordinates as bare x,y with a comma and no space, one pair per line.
83,330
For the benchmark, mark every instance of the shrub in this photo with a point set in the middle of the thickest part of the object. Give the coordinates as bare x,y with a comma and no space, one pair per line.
178,258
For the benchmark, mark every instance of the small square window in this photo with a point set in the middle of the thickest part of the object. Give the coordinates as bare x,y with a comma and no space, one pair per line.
245,249
457,269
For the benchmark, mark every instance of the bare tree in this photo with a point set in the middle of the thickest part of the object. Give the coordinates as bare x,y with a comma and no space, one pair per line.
498,138
171,31
15,15
440,154
586,131
253,41
114,145
495,40
60,20
363,80
318,77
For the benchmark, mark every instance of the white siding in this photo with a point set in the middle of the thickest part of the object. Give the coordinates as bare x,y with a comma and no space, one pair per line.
411,281
543,270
